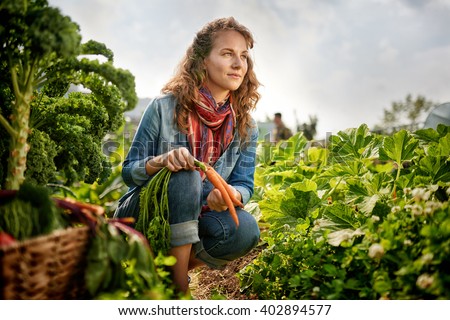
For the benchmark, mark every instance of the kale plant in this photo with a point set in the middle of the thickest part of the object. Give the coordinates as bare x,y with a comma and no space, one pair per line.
48,134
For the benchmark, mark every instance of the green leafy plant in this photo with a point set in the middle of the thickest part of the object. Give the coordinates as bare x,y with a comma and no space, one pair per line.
121,265
115,144
371,222
42,54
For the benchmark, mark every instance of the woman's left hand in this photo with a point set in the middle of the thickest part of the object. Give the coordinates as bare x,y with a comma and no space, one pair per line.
215,200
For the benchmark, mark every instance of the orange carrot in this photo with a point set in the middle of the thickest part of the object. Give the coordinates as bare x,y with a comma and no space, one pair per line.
225,189
230,191
213,177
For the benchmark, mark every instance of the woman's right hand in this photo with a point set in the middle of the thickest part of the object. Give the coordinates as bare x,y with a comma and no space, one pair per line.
175,160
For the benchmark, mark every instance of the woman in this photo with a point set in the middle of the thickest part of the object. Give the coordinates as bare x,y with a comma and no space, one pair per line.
203,114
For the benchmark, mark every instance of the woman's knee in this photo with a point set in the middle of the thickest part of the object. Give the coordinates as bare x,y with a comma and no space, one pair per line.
248,232
185,184
184,196
222,239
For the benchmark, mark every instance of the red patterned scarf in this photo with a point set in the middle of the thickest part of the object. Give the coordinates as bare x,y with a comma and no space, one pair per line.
211,127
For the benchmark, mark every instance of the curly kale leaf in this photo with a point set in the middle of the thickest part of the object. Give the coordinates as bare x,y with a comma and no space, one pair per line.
40,165
76,124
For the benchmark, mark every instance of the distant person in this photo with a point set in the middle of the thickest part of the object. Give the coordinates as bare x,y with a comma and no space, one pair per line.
281,132
205,114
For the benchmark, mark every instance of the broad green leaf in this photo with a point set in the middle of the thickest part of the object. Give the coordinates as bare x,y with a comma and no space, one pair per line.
428,134
305,185
357,187
298,203
381,209
264,153
349,168
422,181
381,286
399,147
444,145
330,269
335,238
317,156
302,224
369,184
279,175
436,167
338,183
290,149
443,129
405,181
342,216
284,173
271,211
353,143
379,181
384,167
368,204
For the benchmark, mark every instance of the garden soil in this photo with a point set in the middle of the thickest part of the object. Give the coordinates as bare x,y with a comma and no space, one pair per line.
207,284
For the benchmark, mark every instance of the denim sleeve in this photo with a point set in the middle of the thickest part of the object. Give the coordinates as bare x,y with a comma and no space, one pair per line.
143,147
242,176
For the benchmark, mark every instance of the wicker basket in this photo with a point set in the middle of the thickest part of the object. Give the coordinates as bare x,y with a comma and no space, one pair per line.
46,267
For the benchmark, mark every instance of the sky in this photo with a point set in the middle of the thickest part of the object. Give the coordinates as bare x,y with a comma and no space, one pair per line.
343,61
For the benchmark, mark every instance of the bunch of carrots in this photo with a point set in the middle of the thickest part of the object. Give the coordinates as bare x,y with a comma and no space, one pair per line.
225,189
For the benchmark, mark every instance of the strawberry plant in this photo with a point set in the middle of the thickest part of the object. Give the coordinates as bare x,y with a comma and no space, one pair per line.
367,217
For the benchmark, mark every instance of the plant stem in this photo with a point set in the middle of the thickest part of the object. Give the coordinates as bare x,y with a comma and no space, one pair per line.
19,147
201,165
7,126
394,190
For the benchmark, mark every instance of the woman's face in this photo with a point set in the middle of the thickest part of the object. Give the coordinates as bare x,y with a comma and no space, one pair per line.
226,65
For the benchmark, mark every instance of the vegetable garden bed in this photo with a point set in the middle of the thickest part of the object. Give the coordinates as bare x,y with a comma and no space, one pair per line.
365,217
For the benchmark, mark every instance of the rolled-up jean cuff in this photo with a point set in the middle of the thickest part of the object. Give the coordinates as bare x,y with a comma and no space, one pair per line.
202,255
184,233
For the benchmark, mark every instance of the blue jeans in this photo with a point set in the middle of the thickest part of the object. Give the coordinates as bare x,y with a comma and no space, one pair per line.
214,236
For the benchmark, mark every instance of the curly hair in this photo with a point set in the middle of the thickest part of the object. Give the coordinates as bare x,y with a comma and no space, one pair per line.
191,74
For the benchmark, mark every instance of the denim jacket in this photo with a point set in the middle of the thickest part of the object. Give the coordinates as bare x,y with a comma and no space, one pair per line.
157,133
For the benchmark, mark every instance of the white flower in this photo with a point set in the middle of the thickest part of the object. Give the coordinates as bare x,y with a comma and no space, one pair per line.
375,218
427,258
428,210
407,190
448,191
316,289
407,242
417,210
418,193
424,281
433,205
421,194
376,251
395,209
